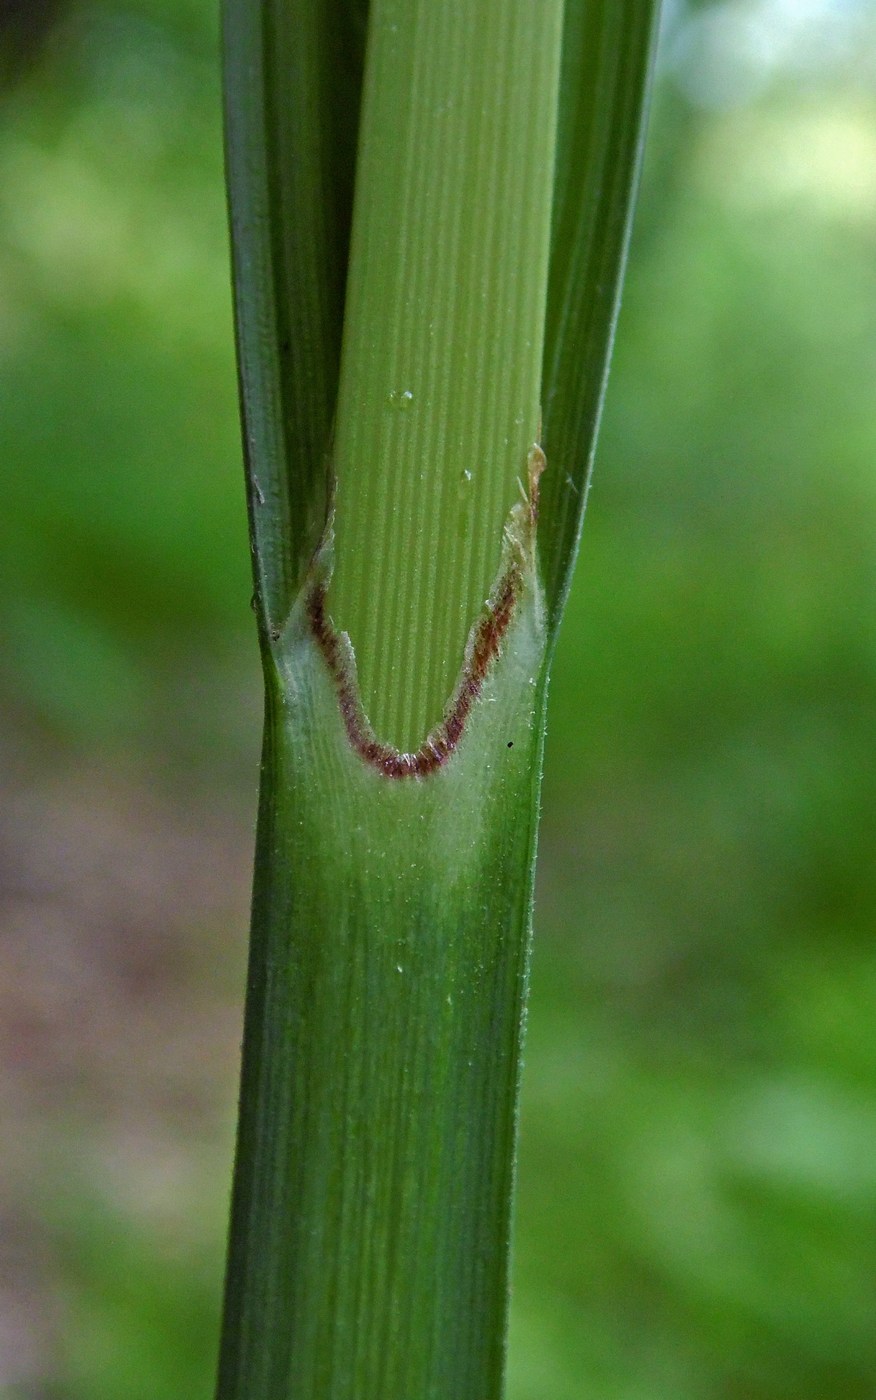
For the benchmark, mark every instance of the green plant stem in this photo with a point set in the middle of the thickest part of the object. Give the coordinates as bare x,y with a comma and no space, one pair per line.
370,1226
439,395
369,1243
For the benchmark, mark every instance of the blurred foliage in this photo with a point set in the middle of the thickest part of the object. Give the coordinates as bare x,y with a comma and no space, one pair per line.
698,1178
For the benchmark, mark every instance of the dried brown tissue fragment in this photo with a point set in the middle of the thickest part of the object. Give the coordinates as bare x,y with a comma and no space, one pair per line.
491,628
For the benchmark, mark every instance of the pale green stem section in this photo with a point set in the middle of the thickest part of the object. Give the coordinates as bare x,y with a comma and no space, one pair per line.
441,363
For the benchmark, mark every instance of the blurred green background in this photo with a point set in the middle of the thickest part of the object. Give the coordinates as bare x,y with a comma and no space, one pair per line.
697,1204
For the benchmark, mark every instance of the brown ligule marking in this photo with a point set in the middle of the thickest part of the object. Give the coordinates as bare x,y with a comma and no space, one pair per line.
440,743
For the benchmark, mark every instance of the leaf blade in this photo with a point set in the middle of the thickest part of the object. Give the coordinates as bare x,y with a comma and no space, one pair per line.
608,50
292,78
